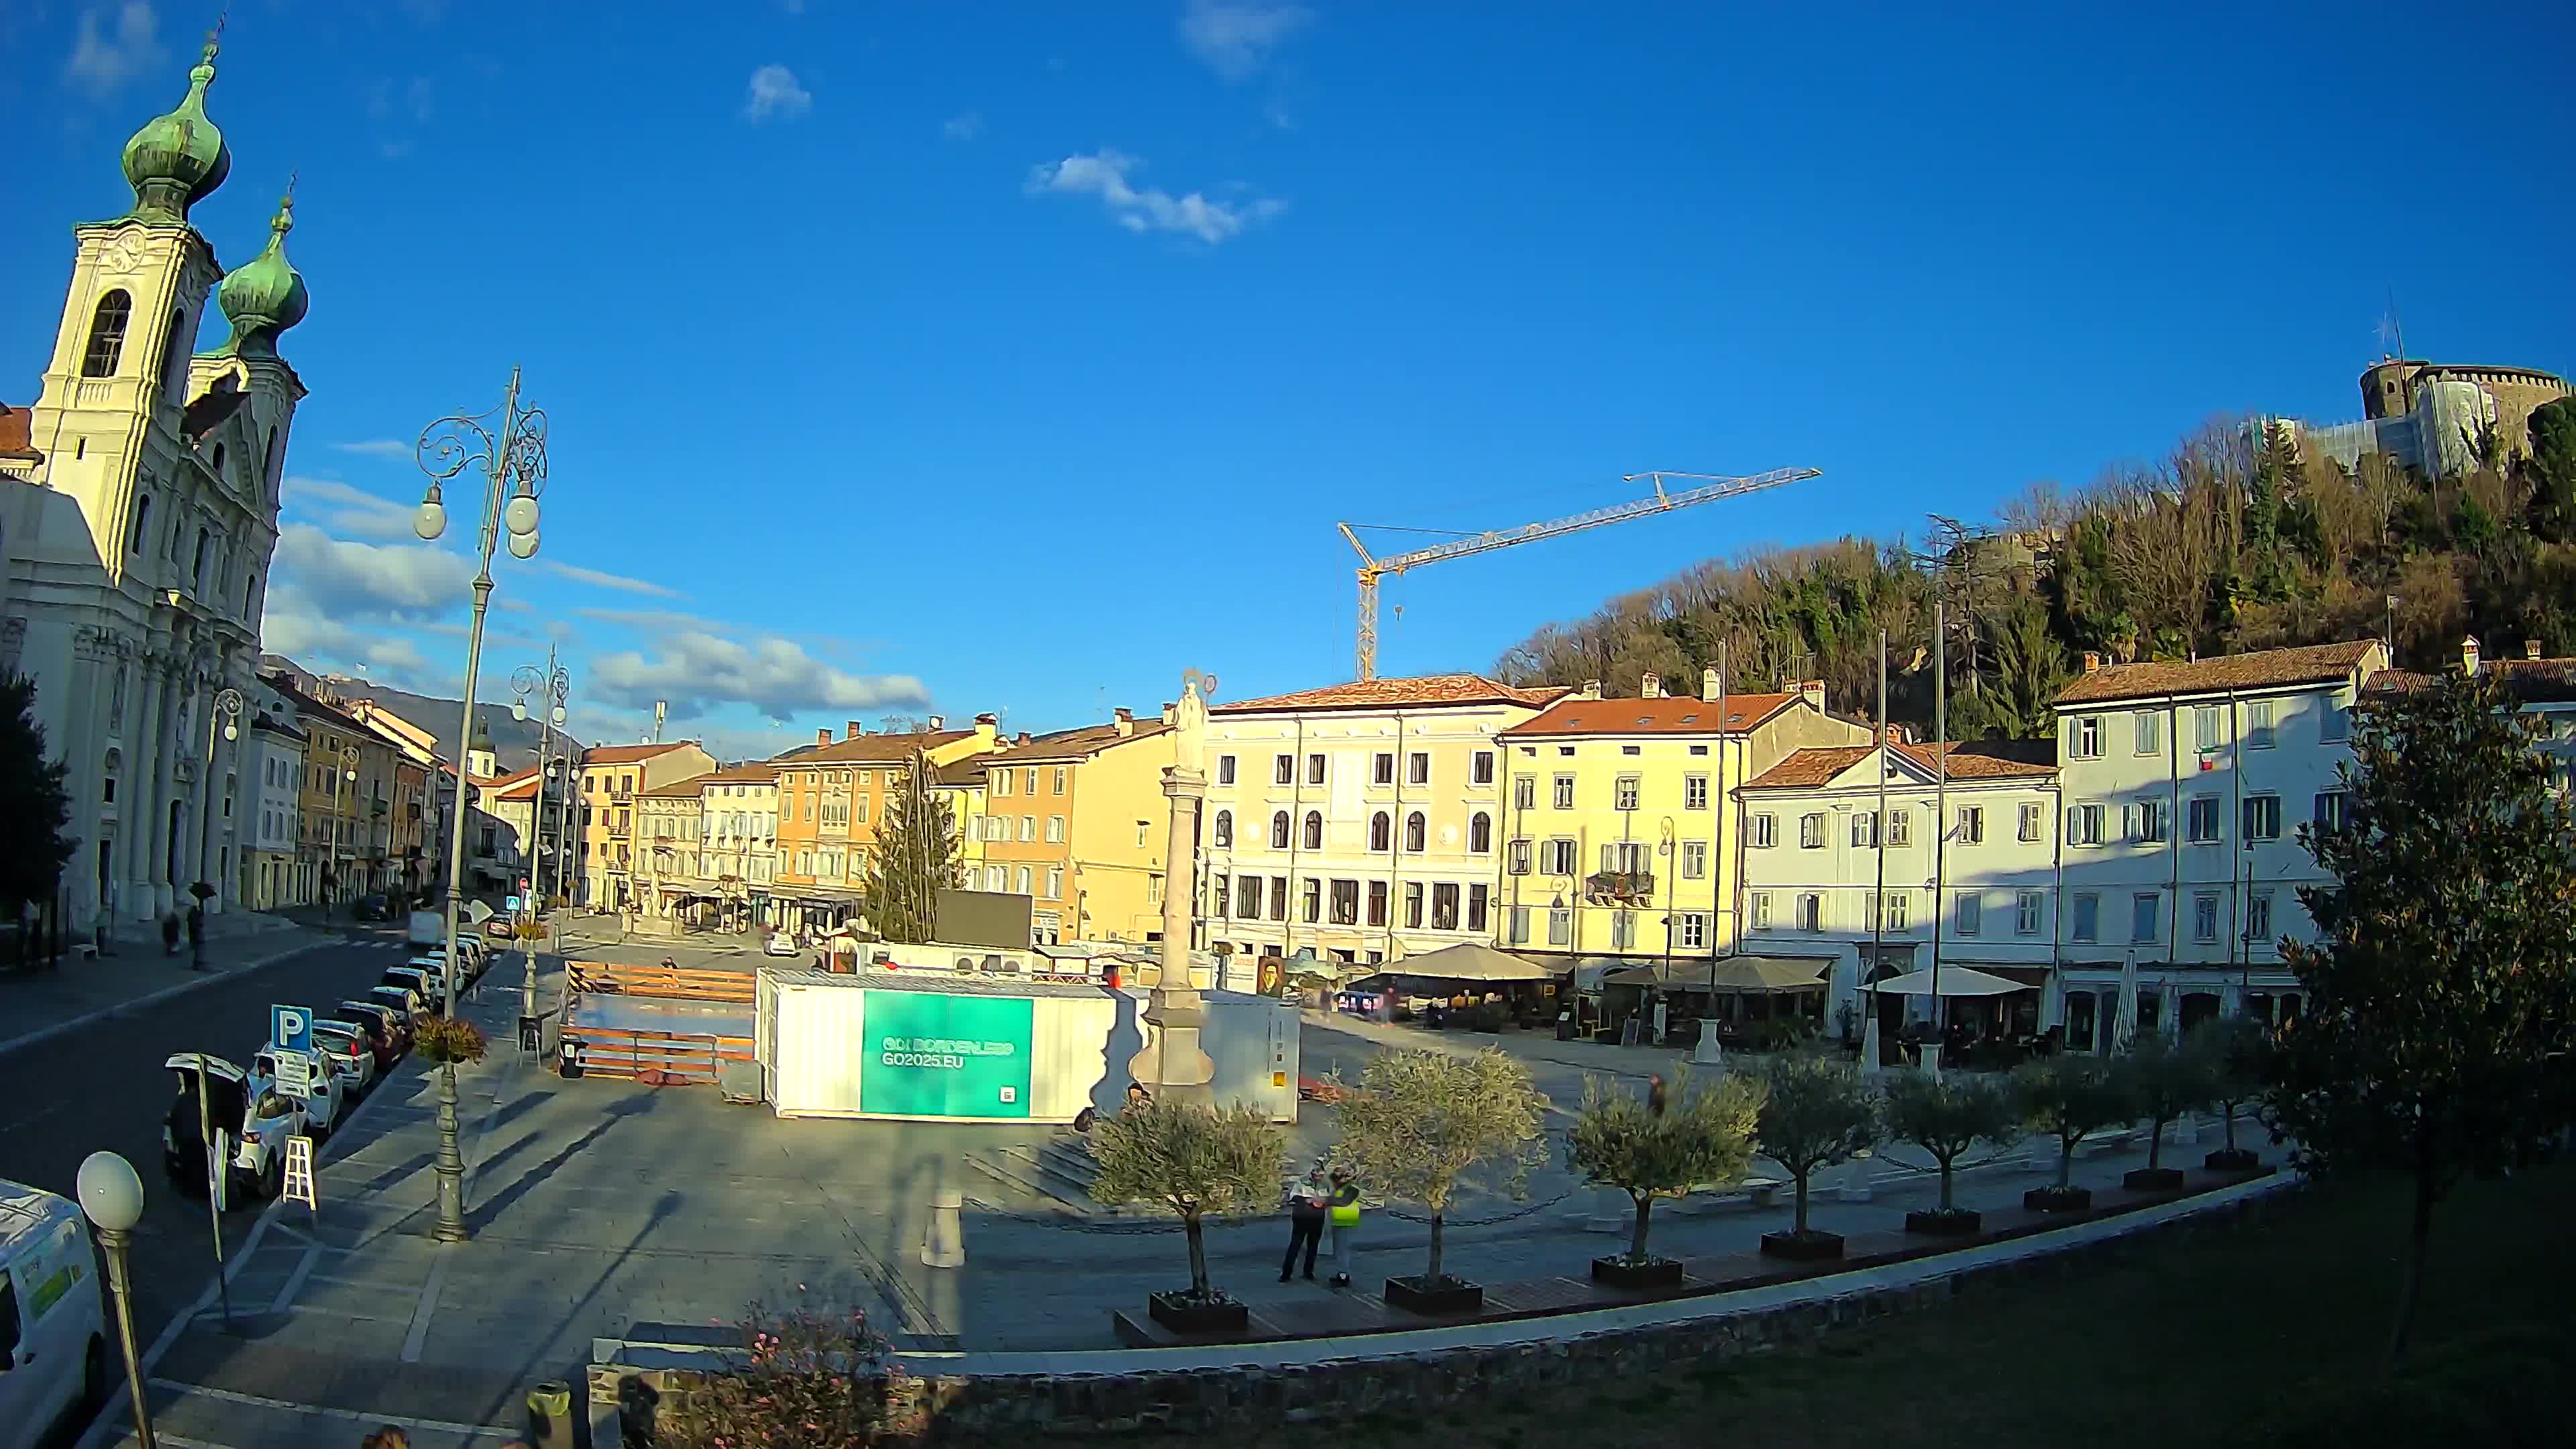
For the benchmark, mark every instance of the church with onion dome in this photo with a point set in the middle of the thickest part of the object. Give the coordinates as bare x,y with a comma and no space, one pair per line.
138,516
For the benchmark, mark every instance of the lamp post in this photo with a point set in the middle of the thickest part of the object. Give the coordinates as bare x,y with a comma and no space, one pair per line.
347,816
111,1196
509,449
554,685
223,719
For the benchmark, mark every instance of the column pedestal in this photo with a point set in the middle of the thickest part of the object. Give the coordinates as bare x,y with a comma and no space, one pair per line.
1172,1066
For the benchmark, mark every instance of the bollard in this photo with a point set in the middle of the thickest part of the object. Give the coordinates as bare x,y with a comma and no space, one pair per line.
1707,1053
1855,1185
943,1244
1932,1060
550,1415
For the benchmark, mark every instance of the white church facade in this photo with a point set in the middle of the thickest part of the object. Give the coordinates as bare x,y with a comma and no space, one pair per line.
138,516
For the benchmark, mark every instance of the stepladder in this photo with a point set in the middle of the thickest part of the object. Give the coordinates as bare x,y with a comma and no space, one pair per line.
299,1172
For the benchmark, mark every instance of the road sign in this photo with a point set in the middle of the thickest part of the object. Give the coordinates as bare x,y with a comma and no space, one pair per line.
291,1028
295,1074
511,905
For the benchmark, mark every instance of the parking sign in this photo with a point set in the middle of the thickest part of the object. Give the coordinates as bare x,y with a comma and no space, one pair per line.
291,1027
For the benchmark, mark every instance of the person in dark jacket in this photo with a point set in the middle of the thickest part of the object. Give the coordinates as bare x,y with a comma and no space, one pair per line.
1655,1094
1305,1224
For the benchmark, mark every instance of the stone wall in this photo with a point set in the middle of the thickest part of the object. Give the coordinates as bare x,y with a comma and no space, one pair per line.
1211,1400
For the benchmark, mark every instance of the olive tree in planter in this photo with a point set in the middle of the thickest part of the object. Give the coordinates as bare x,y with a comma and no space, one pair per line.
1703,1138
1816,1112
2238,1051
1418,1125
1193,1159
1946,1117
2071,1097
2167,1077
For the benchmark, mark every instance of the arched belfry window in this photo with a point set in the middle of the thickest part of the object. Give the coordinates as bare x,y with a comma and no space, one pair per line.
107,334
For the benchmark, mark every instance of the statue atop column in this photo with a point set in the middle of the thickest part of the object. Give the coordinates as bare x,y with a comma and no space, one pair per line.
1189,728
1173,1065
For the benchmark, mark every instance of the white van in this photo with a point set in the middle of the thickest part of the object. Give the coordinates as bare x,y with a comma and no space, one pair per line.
53,1333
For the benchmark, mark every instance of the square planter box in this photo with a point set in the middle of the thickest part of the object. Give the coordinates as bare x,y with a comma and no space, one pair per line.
2151,1179
2231,1159
1654,1273
1440,1300
1175,1312
1813,1246
2058,1199
1958,1223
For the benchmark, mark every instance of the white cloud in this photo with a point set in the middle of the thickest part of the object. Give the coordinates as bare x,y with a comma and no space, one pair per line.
1236,36
348,580
376,448
774,92
963,128
697,671
1104,174
110,46
347,510
664,619
620,582
294,626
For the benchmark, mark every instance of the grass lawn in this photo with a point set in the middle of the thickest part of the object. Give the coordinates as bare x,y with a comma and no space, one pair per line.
2164,1350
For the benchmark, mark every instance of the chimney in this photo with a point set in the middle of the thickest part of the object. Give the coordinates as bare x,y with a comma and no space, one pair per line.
938,722
1591,690
2092,661
1023,738
987,725
1709,687
853,730
1168,707
2530,648
822,737
1123,720
1814,691
2469,655
1651,687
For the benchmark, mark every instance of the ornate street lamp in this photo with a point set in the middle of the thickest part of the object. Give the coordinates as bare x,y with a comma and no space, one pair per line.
222,719
553,685
111,1196
509,449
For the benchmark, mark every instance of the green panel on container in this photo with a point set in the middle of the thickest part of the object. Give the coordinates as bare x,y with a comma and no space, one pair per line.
946,1056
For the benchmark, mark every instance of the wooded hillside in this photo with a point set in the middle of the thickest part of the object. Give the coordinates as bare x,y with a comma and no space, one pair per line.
2230,544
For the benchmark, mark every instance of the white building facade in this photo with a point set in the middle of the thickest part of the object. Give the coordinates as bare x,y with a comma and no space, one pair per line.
273,871
1827,877
138,514
2184,786
1291,853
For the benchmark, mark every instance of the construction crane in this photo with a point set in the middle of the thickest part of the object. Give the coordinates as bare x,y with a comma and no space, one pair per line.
1713,486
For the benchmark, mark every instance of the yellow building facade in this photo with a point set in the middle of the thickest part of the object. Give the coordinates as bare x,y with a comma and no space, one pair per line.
1620,836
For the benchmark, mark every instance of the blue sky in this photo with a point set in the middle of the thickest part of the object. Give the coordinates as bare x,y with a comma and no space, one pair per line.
903,357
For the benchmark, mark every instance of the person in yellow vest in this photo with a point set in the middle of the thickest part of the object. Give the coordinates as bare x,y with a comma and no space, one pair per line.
1343,1204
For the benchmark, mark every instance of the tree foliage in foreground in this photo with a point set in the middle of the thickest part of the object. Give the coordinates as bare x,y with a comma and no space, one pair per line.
1421,1124
1702,1139
2443,978
1192,1159
35,806
1948,1116
1816,1112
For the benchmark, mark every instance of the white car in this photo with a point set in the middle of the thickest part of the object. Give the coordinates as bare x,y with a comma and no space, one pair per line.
780,944
323,1104
352,1055
53,1332
214,1095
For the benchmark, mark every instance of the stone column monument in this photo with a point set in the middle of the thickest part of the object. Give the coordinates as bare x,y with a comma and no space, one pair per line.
1172,1066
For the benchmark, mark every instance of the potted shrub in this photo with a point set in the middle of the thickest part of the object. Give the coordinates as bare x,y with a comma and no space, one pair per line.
1946,1117
1815,1113
1702,1138
1192,1159
2070,1097
2238,1050
1418,1125
2166,1078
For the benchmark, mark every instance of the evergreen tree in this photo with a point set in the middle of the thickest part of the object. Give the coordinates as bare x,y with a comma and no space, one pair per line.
916,856
34,805
2551,469
2444,975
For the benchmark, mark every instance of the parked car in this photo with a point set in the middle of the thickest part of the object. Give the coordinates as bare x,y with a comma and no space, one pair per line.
779,944
53,1333
433,969
400,1000
387,1038
323,1102
500,928
372,908
257,1124
352,1053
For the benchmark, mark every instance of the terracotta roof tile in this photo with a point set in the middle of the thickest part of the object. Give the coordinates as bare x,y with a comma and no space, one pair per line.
1423,691
758,772
628,754
17,436
1665,716
2528,681
678,789
877,749
2263,669
1968,760
1073,744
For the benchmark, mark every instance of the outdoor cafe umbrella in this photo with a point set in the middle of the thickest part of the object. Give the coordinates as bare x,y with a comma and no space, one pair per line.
1955,981
1467,962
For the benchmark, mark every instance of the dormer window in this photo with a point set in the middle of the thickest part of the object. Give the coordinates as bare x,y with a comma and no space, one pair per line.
107,334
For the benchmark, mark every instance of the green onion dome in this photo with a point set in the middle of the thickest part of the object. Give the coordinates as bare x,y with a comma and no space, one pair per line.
265,295
179,159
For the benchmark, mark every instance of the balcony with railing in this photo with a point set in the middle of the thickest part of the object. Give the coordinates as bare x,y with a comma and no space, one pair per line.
1620,887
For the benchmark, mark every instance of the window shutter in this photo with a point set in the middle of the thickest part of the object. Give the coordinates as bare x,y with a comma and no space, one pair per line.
1605,857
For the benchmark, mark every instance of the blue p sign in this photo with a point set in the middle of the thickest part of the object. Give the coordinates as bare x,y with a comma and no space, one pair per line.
291,1027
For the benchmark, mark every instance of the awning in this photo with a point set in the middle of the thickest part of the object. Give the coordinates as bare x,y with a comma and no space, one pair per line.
1755,974
1955,981
1467,962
